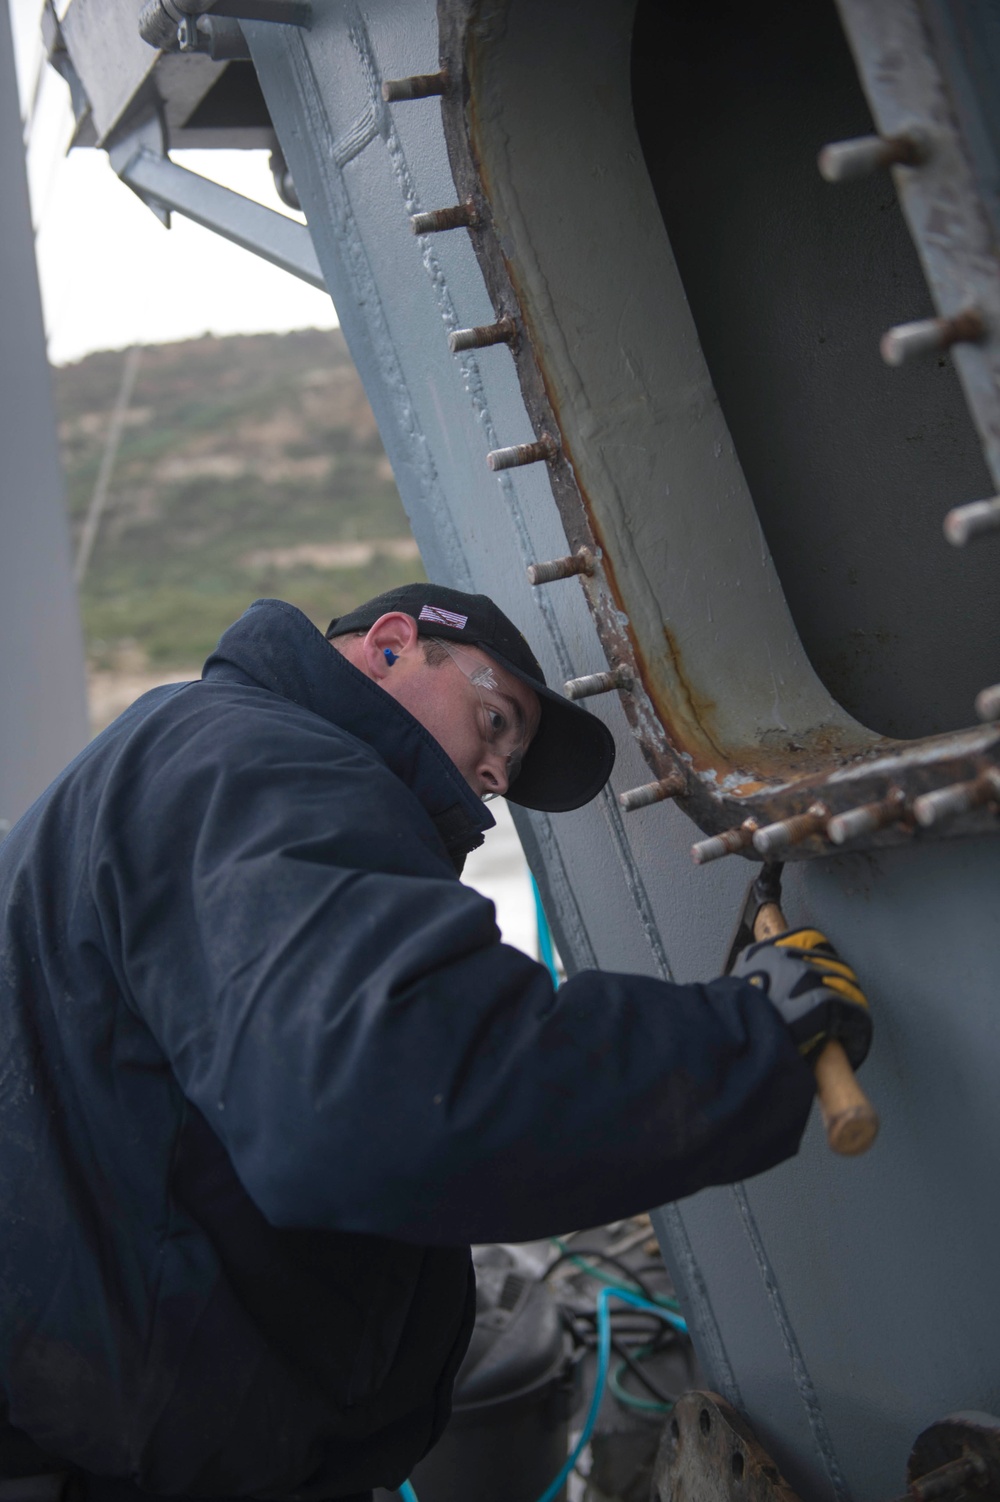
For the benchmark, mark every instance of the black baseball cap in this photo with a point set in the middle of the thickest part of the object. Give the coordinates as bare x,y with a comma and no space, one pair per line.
571,756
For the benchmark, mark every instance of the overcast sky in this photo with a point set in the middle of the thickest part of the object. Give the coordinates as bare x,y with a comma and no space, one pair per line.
110,273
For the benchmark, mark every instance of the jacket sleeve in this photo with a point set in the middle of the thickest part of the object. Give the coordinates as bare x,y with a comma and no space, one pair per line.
341,1010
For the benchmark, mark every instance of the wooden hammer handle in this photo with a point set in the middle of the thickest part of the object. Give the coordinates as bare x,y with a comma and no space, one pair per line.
850,1119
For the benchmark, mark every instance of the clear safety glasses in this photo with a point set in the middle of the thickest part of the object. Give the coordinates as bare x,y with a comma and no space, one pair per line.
502,722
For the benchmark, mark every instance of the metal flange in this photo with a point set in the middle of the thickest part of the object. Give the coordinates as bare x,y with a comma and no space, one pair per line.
824,788
709,1453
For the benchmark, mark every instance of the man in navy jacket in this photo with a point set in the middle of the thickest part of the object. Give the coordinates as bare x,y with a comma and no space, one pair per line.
267,1069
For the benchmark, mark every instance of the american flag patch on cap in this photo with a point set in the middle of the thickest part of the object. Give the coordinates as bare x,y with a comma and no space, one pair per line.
442,617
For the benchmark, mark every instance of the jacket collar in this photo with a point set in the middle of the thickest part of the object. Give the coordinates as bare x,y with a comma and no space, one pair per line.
276,647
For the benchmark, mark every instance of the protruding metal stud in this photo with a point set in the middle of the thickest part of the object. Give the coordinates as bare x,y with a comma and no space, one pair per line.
598,683
908,340
959,798
729,842
988,703
417,86
867,818
973,520
545,447
843,160
580,562
775,837
948,1481
504,331
459,216
653,792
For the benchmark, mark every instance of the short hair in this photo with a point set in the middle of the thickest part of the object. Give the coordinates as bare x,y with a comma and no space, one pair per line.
435,651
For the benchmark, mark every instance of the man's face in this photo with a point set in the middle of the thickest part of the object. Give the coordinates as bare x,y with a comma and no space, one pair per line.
480,715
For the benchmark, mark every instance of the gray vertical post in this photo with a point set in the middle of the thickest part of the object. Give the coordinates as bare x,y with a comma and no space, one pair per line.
43,720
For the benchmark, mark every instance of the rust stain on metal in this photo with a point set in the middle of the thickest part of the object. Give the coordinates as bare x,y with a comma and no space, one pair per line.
699,707
709,1453
784,778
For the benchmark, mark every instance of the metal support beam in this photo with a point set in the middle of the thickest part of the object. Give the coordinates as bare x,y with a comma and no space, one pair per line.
165,186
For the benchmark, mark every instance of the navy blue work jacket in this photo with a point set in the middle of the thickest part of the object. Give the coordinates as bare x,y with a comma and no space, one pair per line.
266,1069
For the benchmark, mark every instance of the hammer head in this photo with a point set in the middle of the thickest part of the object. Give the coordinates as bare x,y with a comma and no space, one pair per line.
765,887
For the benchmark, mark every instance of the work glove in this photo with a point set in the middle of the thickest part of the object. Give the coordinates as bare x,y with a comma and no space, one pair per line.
817,995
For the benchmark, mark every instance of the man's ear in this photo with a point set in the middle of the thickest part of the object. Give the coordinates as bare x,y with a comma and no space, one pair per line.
395,634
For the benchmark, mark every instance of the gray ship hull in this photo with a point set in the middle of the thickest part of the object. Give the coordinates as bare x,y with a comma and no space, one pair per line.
841,1304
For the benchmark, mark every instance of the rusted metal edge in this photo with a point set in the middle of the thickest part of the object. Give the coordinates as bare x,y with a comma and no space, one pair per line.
941,200
721,800
709,1450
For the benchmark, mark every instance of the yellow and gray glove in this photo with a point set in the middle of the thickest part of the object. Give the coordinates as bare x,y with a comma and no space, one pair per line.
816,994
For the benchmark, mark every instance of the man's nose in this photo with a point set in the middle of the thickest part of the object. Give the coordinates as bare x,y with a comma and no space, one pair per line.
493,772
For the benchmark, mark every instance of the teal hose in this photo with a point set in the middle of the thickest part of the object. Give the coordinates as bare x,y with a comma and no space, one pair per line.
599,1276
546,948
603,1361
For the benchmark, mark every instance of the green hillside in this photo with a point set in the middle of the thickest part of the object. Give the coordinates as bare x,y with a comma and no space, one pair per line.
249,466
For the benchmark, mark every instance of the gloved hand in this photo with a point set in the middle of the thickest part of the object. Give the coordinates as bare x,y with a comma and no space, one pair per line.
818,995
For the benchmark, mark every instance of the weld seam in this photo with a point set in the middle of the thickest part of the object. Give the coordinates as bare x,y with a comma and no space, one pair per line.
800,1372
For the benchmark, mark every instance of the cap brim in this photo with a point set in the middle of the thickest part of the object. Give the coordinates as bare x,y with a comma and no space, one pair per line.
570,758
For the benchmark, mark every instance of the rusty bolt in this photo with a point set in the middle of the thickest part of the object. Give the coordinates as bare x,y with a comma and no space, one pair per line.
947,803
504,331
775,837
653,792
965,522
729,842
546,447
988,703
867,818
580,562
948,1479
598,683
908,340
459,216
417,86
843,160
